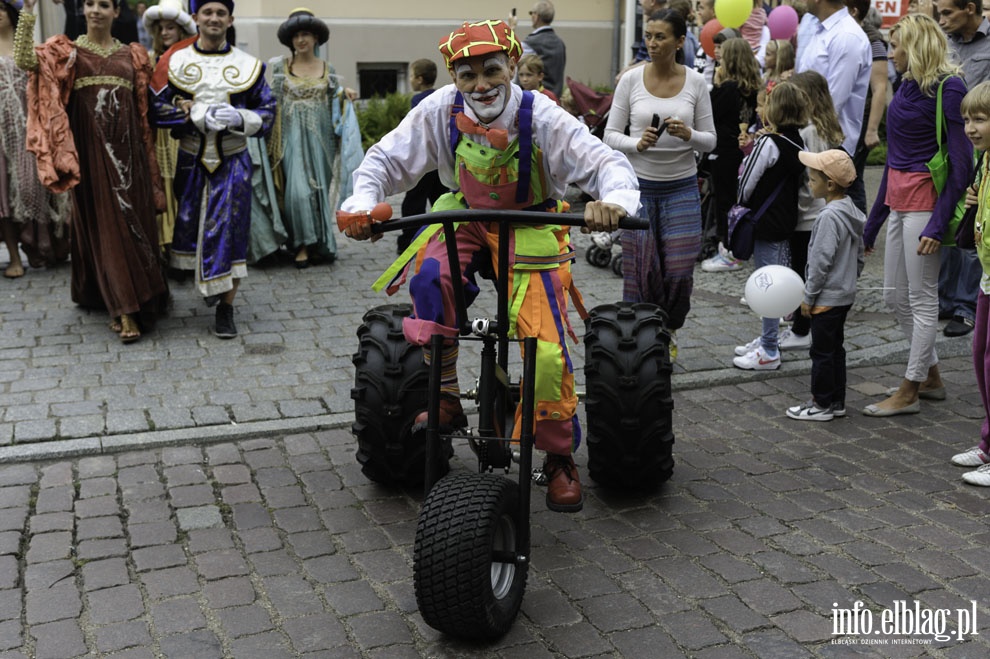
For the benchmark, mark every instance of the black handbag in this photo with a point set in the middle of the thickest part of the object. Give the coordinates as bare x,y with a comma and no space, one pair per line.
742,225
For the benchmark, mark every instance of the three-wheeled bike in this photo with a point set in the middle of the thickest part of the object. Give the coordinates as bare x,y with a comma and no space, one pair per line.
472,546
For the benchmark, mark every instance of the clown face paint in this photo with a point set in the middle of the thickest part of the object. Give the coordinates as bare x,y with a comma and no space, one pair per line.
485,83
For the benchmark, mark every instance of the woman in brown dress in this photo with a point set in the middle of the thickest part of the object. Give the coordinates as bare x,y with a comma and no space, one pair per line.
87,126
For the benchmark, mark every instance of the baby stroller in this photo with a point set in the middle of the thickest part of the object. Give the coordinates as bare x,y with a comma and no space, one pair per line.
592,107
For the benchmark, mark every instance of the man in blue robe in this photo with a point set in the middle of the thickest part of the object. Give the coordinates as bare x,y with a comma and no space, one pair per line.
214,97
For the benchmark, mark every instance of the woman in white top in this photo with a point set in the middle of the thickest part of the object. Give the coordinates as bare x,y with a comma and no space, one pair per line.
658,265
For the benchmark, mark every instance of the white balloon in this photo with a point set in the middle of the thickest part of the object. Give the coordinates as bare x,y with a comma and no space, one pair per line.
774,291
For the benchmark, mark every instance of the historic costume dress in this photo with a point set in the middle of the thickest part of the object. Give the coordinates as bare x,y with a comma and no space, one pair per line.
311,116
213,171
86,109
39,215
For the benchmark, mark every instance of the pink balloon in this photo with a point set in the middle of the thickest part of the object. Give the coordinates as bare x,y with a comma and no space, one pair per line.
783,22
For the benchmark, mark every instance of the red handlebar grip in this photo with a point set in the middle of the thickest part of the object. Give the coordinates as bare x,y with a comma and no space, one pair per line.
382,212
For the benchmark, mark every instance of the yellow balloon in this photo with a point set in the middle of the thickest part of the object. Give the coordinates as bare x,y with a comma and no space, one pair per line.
733,13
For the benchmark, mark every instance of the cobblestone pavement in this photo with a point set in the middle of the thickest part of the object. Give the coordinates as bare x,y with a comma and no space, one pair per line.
189,497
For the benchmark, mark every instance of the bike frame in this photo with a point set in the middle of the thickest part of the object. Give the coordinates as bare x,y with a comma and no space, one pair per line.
494,384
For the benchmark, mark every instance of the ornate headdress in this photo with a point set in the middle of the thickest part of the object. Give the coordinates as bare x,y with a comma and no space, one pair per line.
169,10
196,5
302,20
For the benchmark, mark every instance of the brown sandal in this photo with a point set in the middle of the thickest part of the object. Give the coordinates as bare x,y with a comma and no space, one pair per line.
115,326
129,332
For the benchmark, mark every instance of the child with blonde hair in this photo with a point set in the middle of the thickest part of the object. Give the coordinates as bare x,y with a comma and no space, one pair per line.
772,176
823,132
778,61
530,71
975,110
737,81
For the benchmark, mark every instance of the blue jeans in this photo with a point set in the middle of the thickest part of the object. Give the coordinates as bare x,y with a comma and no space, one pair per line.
958,282
770,253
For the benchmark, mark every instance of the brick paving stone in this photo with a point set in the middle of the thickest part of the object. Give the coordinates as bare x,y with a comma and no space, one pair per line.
58,640
734,614
58,474
246,493
187,496
202,644
330,569
15,496
199,541
116,604
355,542
261,540
645,642
222,454
98,507
310,544
99,465
245,620
97,487
614,612
178,615
8,572
169,582
156,510
767,597
11,636
292,595
273,563
59,601
10,604
693,631
49,546
289,496
220,564
105,573
123,635
577,640
315,633
96,549
54,499
137,474
296,520
99,527
773,643
353,597
184,474
10,542
157,558
387,566
232,474
377,629
234,591
250,516
300,444
199,517
804,626
276,476
262,646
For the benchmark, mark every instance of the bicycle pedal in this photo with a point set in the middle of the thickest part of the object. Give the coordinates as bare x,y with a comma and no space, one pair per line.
539,477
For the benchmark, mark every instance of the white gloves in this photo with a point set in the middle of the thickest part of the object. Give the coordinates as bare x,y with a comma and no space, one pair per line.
221,117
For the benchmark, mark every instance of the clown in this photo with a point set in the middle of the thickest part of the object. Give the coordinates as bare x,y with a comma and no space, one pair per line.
213,96
499,147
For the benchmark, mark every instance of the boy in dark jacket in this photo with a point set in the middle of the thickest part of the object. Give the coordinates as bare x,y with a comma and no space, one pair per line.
835,260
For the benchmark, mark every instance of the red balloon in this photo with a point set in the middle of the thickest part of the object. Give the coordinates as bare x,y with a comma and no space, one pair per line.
707,36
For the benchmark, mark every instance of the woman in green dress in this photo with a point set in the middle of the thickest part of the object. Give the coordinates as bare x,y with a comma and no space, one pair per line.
306,142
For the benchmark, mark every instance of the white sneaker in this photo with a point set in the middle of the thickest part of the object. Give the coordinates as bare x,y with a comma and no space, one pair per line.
838,409
974,457
979,477
810,412
791,341
723,261
749,347
758,360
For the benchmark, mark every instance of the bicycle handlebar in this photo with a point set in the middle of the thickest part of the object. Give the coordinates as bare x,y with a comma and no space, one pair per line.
380,223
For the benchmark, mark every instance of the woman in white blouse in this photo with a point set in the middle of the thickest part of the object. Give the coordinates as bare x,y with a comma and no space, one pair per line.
668,110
